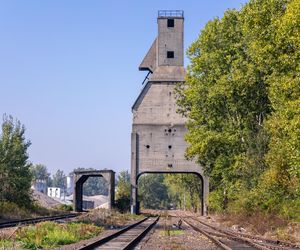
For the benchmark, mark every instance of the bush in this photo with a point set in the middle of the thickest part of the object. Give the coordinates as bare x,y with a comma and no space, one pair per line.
64,207
10,210
51,234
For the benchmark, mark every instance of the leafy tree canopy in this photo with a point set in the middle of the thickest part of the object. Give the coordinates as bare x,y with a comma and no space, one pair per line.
241,98
15,175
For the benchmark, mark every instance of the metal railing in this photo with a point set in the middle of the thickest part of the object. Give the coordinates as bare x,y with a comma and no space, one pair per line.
170,13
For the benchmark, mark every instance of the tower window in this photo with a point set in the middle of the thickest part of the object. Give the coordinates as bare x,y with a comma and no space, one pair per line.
170,23
170,54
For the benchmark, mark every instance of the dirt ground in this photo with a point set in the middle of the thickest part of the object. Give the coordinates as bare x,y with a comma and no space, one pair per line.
166,235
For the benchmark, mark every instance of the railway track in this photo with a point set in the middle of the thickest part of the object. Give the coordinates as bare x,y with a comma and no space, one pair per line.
125,238
15,223
229,240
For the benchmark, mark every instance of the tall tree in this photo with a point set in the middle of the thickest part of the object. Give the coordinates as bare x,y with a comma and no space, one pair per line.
59,179
123,191
153,193
40,173
241,98
184,190
15,175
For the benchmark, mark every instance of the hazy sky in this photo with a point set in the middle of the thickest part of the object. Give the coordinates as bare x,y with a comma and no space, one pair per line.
69,72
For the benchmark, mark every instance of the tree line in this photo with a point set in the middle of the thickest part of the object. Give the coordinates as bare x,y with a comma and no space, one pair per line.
161,191
242,101
17,173
93,185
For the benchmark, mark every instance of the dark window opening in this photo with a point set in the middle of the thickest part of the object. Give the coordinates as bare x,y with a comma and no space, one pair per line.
171,23
170,54
147,146
170,165
170,146
170,130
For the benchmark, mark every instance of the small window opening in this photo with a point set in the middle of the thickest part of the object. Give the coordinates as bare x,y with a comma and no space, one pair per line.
170,146
170,130
147,146
171,23
170,165
170,54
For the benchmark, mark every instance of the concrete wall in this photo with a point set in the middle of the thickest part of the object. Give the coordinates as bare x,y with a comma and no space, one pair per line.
170,39
158,105
158,144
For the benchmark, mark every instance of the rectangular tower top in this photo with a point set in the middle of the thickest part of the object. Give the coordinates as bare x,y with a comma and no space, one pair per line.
170,13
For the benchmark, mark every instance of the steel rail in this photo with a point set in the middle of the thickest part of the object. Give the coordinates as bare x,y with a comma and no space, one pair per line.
279,244
215,240
14,223
228,236
136,240
115,235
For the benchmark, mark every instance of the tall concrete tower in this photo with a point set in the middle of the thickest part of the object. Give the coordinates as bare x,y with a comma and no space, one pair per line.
157,139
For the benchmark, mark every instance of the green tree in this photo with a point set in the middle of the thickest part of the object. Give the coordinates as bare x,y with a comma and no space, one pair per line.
59,179
40,172
279,187
123,191
153,193
15,175
184,190
241,98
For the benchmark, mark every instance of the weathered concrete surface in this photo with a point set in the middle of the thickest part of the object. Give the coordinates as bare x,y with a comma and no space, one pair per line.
80,178
157,140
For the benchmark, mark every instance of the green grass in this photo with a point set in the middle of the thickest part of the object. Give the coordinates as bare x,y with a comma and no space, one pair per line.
51,234
171,232
7,244
64,207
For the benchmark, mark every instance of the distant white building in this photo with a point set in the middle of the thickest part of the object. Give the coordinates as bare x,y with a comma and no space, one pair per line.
54,192
70,184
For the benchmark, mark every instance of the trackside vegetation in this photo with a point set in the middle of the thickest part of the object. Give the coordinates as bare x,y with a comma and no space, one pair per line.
15,175
46,235
242,101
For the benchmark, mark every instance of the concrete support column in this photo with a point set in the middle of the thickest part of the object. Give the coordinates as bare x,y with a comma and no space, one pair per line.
77,195
110,178
134,173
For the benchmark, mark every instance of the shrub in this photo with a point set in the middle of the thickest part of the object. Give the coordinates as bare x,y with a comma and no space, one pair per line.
10,210
52,234
64,207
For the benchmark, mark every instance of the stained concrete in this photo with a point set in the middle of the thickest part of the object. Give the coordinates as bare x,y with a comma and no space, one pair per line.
80,177
157,139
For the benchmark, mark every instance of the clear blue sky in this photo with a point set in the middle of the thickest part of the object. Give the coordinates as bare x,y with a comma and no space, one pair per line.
69,72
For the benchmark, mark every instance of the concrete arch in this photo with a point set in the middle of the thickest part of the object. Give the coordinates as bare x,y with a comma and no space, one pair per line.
203,189
80,177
